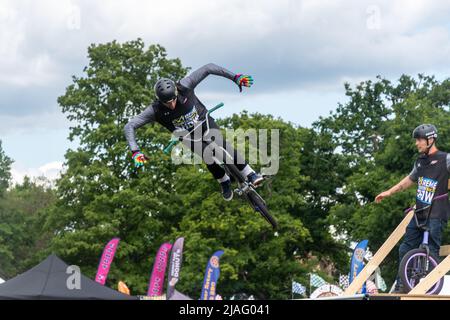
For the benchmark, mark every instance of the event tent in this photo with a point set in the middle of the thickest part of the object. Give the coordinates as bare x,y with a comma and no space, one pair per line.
51,279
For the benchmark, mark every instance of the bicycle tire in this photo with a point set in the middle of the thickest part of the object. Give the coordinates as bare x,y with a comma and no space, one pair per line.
260,206
405,264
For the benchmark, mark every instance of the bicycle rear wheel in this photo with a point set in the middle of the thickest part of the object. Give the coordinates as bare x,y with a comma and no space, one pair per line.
413,269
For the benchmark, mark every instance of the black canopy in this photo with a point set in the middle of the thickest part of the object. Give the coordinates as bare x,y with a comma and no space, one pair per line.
179,296
48,280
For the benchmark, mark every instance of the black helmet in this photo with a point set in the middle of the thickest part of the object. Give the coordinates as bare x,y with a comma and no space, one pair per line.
165,90
425,131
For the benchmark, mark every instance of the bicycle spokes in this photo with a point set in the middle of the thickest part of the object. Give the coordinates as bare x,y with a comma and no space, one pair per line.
417,268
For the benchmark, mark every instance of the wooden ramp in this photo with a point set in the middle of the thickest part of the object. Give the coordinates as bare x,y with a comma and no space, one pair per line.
425,284
405,297
385,297
379,256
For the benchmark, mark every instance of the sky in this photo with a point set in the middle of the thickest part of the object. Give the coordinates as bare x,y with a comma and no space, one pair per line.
299,52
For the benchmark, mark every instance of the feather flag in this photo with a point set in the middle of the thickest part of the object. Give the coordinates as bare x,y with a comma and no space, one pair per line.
175,266
106,260
211,277
357,263
156,284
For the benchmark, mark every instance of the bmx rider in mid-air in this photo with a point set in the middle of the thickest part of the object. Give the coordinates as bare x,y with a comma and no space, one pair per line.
178,108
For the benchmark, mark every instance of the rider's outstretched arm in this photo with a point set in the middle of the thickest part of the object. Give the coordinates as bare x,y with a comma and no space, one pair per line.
193,79
147,116
406,183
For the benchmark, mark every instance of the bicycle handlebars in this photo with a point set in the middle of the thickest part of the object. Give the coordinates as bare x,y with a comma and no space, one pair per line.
175,141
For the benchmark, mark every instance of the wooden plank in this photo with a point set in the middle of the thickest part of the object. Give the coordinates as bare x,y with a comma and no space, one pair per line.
406,297
381,254
444,251
426,283
425,297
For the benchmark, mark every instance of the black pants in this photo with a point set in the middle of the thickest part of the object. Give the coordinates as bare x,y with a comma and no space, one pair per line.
205,150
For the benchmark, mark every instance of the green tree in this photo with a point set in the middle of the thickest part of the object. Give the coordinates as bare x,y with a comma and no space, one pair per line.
5,170
23,242
100,195
5,177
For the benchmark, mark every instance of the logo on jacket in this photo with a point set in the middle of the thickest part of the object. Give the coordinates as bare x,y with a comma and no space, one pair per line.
426,188
186,121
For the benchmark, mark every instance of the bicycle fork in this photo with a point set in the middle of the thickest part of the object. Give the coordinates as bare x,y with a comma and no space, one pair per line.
426,236
243,189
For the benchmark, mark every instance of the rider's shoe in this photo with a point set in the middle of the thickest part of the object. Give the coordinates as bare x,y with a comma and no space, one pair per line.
255,179
227,191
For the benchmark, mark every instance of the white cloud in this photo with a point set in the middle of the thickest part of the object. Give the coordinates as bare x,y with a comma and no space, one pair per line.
32,123
51,171
19,67
299,41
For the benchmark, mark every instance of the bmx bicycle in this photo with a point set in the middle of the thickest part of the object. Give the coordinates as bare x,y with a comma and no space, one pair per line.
245,189
418,263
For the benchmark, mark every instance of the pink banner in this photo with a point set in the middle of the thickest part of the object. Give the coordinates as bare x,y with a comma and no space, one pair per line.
156,284
106,260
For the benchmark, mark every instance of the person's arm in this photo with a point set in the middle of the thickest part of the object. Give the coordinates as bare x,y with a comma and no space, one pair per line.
193,79
406,183
147,116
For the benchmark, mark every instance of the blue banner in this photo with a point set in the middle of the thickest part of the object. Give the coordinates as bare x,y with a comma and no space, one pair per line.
357,263
211,277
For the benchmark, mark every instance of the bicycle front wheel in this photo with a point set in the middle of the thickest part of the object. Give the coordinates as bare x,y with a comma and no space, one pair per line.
413,268
259,205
